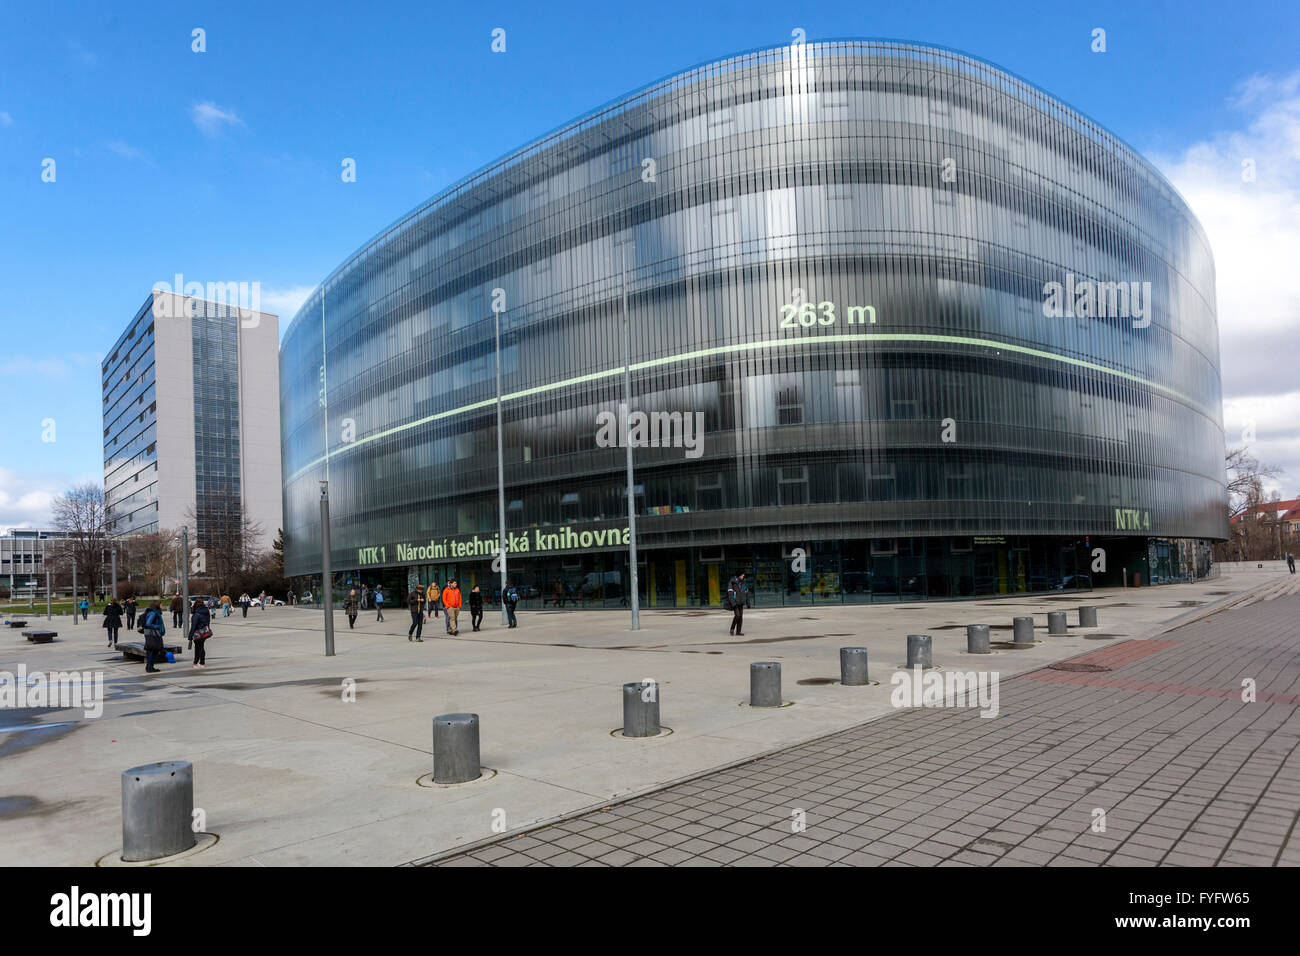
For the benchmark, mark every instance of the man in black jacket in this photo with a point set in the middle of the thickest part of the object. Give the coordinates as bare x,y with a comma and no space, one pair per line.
475,607
416,605
738,595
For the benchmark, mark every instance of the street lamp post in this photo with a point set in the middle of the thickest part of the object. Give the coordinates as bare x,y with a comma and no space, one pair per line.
326,574
113,552
631,494
185,578
498,305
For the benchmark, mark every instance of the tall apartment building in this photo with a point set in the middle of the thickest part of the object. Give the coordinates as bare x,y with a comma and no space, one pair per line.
192,419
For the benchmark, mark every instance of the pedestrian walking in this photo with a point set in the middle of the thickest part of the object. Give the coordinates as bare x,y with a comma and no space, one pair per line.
200,631
451,603
113,621
153,629
365,596
226,605
475,607
415,603
1290,562
262,599
350,607
177,608
85,610
379,603
431,597
244,601
511,598
737,596
129,607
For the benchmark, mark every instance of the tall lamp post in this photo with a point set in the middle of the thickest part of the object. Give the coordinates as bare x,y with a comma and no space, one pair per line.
326,575
498,306
631,493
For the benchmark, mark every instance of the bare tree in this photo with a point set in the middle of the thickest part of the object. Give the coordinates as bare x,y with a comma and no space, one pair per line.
157,555
80,512
1246,477
227,536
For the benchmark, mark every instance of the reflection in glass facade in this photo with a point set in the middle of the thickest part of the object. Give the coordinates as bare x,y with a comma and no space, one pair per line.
839,253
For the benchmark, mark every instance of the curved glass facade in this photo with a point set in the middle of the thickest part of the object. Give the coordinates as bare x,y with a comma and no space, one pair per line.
939,329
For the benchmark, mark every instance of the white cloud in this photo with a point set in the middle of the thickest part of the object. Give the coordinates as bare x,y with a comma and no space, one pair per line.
210,118
6,119
1254,232
128,152
25,500
285,302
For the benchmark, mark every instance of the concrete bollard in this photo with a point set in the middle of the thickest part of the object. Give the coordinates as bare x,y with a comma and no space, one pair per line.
157,810
765,684
1088,615
641,716
977,638
920,650
853,666
455,748
1022,630
1056,623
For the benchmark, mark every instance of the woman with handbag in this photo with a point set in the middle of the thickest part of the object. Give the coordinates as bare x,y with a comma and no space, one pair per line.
200,631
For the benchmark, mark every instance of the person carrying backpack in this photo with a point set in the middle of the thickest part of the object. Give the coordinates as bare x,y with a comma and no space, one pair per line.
379,604
737,596
85,609
511,598
177,609
153,629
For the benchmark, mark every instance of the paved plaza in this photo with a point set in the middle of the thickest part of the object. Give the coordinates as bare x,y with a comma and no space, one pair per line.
291,770
1143,753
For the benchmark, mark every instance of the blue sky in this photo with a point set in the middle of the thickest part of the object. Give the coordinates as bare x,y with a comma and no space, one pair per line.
225,165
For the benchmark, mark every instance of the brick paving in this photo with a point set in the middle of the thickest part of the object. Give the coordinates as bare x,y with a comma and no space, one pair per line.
1187,774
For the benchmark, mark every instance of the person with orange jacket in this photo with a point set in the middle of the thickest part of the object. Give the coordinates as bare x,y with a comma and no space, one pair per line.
431,599
451,604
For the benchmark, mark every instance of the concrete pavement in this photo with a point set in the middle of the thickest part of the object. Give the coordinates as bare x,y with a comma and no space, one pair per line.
289,772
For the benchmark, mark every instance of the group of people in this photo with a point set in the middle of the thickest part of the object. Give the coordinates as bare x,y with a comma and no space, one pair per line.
153,628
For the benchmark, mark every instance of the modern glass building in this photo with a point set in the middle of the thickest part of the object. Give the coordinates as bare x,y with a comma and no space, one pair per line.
943,335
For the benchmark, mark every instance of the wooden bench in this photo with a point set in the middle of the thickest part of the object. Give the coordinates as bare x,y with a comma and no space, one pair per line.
40,637
136,649
16,623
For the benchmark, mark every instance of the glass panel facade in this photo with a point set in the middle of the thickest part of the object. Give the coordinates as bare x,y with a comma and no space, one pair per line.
938,328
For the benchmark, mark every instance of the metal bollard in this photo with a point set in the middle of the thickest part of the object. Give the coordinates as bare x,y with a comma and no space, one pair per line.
641,716
455,748
919,650
765,684
1056,623
157,810
977,638
1088,615
853,666
1022,630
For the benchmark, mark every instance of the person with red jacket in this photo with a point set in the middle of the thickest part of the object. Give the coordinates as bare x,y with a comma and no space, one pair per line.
451,604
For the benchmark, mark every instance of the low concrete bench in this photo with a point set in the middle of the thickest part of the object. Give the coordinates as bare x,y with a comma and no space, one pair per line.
16,623
40,637
136,649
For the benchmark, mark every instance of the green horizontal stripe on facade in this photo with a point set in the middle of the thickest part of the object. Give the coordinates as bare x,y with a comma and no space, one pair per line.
746,346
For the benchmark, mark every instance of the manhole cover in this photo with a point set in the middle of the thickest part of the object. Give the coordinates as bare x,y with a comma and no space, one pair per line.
1101,637
1077,667
818,680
